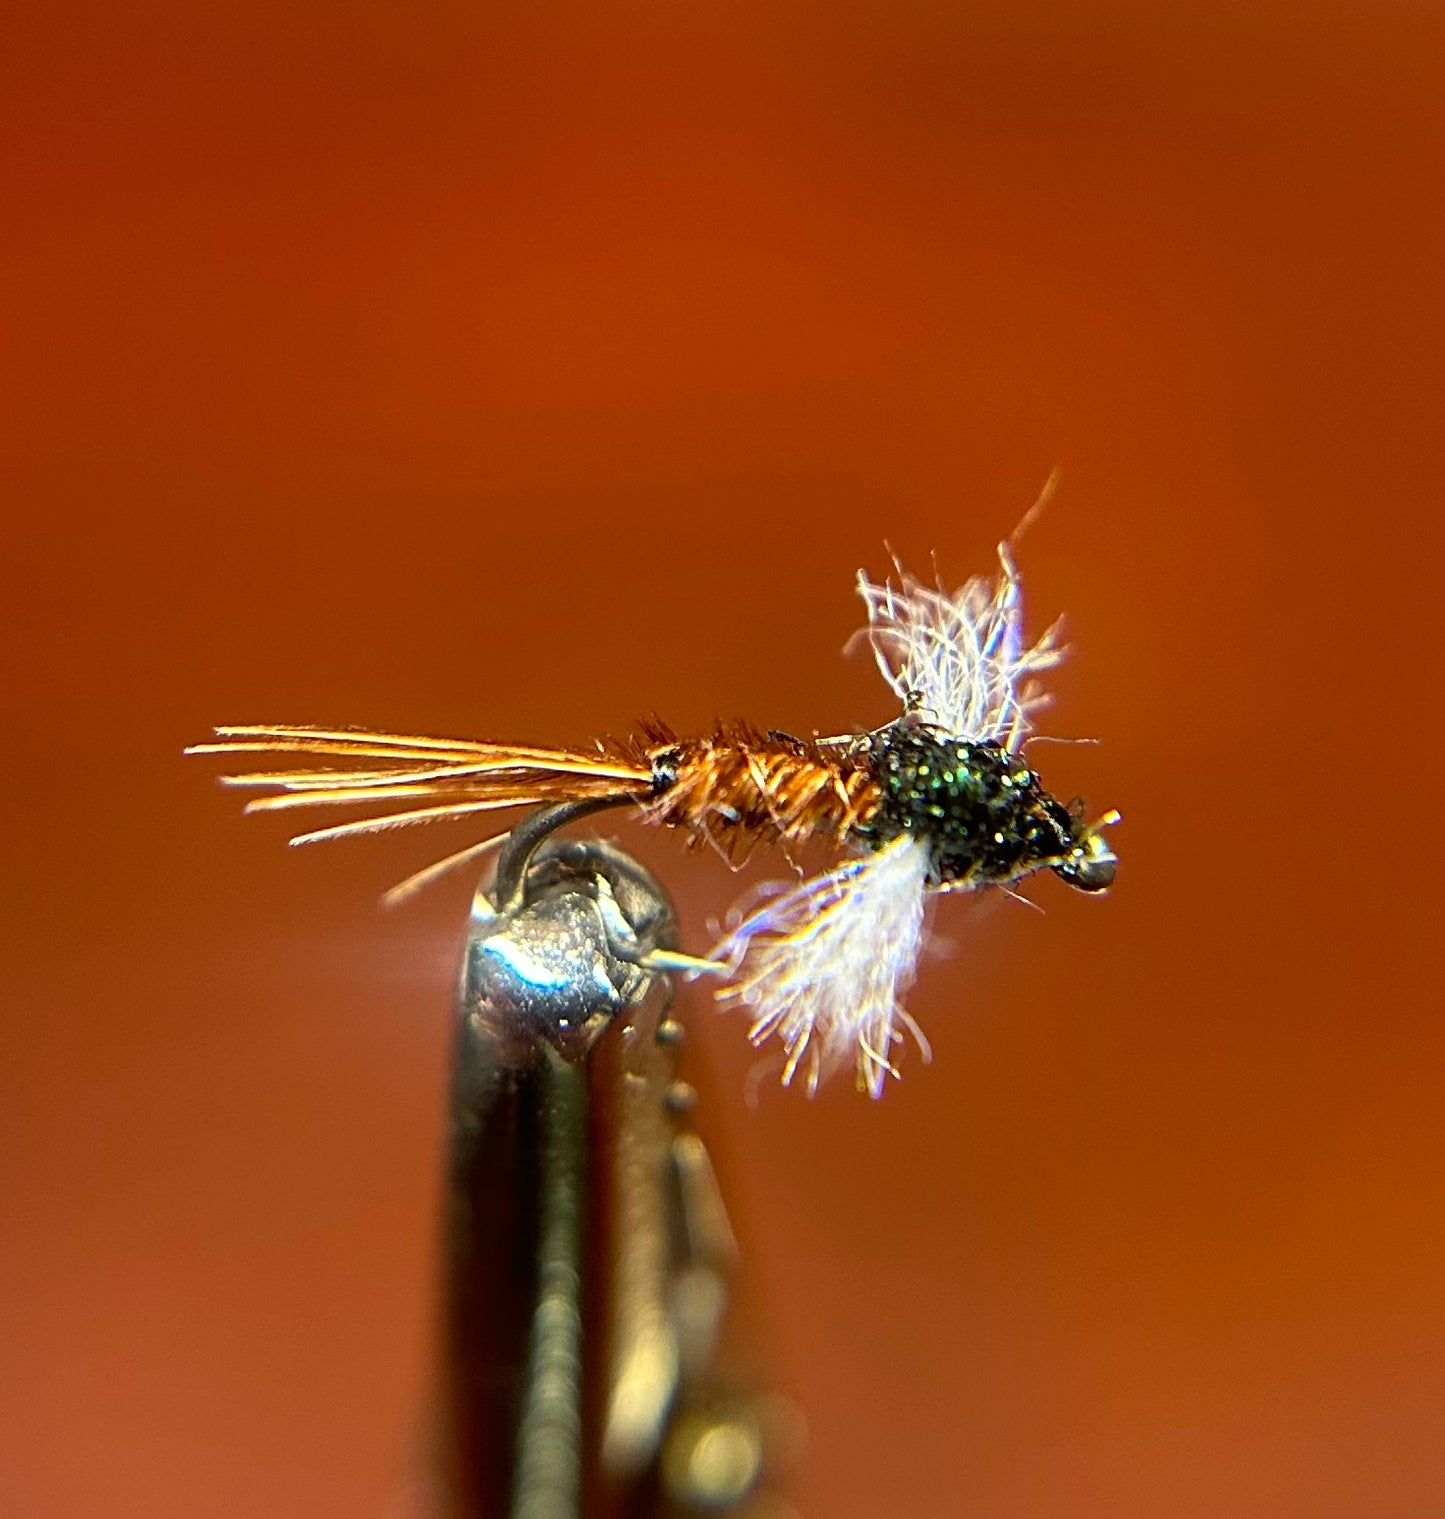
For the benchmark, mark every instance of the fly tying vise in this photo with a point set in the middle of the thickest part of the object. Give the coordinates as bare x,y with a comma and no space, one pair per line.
941,799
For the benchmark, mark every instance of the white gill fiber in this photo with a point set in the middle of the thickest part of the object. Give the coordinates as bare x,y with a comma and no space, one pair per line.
824,966
960,660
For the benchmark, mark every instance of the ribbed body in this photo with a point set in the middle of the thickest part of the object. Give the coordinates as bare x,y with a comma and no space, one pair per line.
739,785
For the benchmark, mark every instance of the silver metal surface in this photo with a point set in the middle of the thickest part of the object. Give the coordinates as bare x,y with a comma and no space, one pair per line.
561,944
588,1251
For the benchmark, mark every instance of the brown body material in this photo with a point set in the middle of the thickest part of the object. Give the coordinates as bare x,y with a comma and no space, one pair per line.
740,785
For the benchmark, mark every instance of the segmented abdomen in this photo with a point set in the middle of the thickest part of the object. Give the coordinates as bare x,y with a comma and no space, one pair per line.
740,785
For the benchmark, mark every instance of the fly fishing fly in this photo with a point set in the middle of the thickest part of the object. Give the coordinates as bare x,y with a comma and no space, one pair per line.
939,800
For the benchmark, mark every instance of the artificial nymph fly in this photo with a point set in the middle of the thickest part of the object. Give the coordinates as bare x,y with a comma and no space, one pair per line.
939,800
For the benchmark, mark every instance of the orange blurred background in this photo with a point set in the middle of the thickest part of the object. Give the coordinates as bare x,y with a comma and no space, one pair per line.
515,370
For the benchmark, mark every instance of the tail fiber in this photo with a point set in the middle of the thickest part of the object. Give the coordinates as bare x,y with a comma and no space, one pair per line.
456,777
